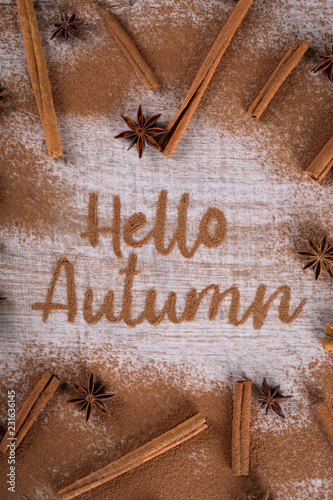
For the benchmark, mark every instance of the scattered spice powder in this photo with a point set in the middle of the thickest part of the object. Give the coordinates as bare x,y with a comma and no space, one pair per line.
151,401
84,89
160,402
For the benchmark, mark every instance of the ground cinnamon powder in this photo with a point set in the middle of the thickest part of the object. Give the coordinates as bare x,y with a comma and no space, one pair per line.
101,81
60,448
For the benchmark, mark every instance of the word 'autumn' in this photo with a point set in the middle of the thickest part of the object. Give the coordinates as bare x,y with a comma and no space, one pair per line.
258,309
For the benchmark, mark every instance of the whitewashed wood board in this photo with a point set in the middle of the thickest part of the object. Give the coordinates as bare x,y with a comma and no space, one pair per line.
218,169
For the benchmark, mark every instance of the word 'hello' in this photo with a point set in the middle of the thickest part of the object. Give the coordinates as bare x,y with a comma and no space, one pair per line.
138,220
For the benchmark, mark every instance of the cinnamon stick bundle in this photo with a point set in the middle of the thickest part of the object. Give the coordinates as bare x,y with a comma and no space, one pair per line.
322,164
38,75
327,341
134,459
325,414
178,124
241,428
285,67
130,51
39,396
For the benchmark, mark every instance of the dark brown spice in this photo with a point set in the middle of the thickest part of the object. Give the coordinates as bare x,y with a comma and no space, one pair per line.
325,63
271,398
319,257
4,94
141,132
67,27
92,395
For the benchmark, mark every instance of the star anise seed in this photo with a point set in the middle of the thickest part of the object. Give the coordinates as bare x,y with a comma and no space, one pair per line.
141,132
271,398
319,257
91,396
325,63
67,27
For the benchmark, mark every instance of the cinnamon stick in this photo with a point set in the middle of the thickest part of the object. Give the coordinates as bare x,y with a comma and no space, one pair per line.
241,428
322,164
130,50
178,124
327,341
285,67
39,396
38,75
325,414
134,459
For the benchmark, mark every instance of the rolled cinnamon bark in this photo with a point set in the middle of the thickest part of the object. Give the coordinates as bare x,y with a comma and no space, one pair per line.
241,428
130,50
285,67
178,124
38,75
154,448
322,164
30,410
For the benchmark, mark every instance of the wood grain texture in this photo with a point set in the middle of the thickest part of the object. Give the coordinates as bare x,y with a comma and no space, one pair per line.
265,210
252,172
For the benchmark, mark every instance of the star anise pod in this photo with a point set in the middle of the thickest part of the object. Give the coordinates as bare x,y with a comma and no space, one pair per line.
141,132
3,97
67,27
319,257
271,398
91,396
326,63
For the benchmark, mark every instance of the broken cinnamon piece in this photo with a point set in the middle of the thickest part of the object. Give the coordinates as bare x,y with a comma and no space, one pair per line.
285,67
327,341
322,164
38,75
241,428
325,414
135,458
39,396
130,50
178,124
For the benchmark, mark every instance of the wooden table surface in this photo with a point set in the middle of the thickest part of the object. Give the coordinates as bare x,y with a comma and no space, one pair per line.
251,171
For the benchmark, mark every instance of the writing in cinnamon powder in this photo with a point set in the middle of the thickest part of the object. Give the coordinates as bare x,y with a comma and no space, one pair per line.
258,308
138,220
110,309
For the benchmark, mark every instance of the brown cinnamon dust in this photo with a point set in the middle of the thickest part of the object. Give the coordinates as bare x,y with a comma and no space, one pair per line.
91,77
61,448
